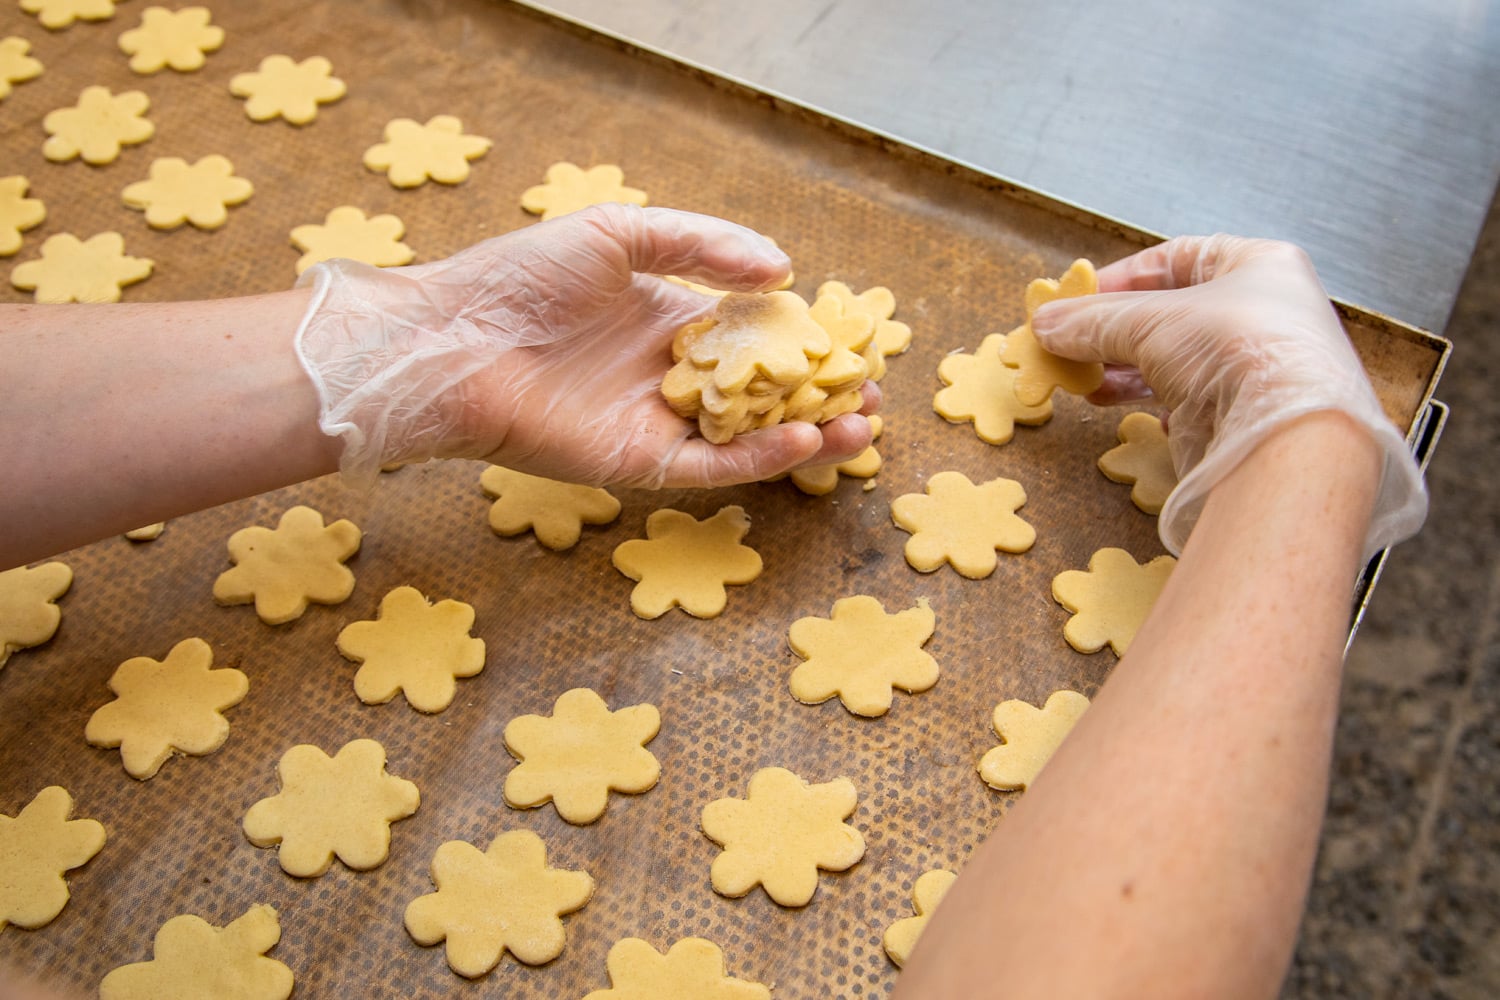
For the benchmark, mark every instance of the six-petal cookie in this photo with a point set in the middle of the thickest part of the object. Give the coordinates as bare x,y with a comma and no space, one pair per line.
97,126
1143,459
1110,601
37,846
413,153
414,647
684,562
980,388
692,969
862,654
178,39
554,511
498,900
346,232
901,937
178,192
283,569
74,270
568,187
17,213
15,65
1031,736
29,615
962,524
1039,371
59,14
286,89
193,958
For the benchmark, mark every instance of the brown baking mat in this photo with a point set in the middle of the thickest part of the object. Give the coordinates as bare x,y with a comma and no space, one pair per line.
957,255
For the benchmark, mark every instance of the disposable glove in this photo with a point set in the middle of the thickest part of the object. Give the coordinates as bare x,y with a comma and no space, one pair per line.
543,350
1237,337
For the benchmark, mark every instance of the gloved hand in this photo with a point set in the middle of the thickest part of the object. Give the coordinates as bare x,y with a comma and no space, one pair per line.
543,350
1237,337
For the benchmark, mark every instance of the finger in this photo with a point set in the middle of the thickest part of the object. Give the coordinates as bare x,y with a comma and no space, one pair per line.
1178,263
872,397
747,458
699,247
1104,327
1122,384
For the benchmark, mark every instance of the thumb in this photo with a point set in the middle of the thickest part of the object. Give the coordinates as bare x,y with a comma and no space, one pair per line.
1107,327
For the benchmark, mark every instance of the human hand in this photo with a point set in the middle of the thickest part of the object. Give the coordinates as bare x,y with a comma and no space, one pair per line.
543,350
1238,338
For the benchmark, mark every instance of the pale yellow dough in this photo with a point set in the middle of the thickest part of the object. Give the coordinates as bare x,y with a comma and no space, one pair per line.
693,969
891,336
901,937
1040,371
149,533
554,511
283,569
686,563
286,89
569,187
347,233
15,65
820,480
415,647
178,192
861,654
29,614
964,525
980,388
74,270
178,39
193,958
413,153
37,846
1031,736
59,14
1143,459
1111,600
97,126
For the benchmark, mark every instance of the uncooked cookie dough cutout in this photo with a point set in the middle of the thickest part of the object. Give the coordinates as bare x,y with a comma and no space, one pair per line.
414,647
1030,737
821,480
346,232
149,533
981,389
862,654
891,336
179,192
161,707
18,213
781,834
901,937
1111,600
1143,459
692,969
552,510
37,846
58,14
286,568
16,66
413,153
193,958
1040,371
177,39
97,126
29,614
281,88
578,755
503,899
687,563
963,525
568,187
74,270
332,806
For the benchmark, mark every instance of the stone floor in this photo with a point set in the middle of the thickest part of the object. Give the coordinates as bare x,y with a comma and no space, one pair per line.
1406,901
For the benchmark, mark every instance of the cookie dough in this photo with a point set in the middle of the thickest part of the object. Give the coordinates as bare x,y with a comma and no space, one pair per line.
415,647
1040,371
494,901
413,153
1111,600
59,14
175,704
1143,459
342,805
891,336
29,615
199,193
74,270
193,958
980,388
683,562
1030,736
286,89
97,126
178,39
901,937
820,480
781,834
345,232
554,511
861,654
37,846
962,524
15,65
568,187
693,969
285,568
149,533
580,754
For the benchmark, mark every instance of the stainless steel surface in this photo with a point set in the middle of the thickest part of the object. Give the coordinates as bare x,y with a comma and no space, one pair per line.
1365,130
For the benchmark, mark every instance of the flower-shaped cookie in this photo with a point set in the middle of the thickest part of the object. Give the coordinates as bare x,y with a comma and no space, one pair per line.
962,524
178,192
285,568
494,901
165,38
342,805
1111,600
347,233
174,704
820,480
17,213
414,647
569,187
891,336
97,126
59,14
193,958
693,969
15,65
1142,458
901,937
28,614
1041,371
555,511
684,562
74,270
287,89
980,388
781,834
413,153
149,533
862,654
37,846
1031,736
580,754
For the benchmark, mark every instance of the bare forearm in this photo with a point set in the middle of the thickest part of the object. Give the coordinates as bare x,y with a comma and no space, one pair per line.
105,404
1166,848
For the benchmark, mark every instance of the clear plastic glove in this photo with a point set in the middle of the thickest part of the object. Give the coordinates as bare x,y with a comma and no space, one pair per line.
543,350
1237,337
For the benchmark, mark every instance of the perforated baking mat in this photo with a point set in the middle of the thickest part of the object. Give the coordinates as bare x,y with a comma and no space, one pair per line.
956,248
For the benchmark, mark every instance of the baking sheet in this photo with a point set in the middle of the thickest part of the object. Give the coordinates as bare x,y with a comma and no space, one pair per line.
956,249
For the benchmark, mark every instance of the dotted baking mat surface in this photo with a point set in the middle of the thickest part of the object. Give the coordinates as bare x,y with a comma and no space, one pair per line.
956,257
